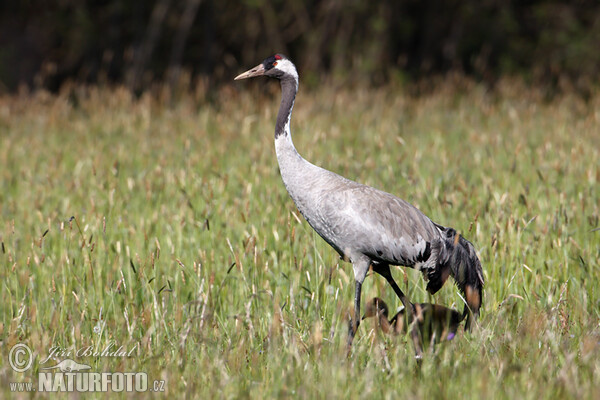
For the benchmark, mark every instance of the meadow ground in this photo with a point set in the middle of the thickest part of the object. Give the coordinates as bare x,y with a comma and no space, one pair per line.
164,228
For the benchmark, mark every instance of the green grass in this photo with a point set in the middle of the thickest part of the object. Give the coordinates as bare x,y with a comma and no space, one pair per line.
166,228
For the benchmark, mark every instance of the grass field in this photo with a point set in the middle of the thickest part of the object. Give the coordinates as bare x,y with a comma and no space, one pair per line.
164,227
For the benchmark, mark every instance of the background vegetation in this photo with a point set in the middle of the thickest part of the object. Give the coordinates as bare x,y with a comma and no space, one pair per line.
45,43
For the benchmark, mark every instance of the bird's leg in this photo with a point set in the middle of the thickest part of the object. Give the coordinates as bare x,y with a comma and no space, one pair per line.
467,313
355,321
360,266
413,324
384,270
416,339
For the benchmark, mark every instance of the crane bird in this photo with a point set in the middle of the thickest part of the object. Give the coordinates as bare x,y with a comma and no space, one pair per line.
432,323
366,226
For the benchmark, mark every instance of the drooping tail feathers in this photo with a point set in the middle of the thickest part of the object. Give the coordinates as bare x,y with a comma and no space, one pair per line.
454,255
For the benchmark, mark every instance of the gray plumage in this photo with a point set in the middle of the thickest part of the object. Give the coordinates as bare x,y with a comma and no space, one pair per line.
367,226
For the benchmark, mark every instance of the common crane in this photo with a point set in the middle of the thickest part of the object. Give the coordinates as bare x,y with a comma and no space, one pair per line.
366,226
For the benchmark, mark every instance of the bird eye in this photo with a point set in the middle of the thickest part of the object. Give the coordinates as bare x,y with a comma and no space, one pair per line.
274,63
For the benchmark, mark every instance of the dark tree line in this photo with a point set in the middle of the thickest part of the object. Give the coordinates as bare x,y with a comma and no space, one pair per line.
135,42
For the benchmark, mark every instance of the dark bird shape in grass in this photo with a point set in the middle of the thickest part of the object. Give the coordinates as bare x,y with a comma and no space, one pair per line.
431,323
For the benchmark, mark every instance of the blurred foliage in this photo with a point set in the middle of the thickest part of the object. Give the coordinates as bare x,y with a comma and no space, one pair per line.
45,43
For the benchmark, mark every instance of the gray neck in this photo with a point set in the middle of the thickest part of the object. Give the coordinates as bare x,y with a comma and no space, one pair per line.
297,174
289,88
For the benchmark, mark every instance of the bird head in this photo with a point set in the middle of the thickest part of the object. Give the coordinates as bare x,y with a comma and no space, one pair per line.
277,66
375,308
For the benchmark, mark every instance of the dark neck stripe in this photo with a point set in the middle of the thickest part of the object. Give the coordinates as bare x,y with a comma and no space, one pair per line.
289,88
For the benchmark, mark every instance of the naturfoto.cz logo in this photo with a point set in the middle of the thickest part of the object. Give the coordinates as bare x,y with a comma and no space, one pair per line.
69,375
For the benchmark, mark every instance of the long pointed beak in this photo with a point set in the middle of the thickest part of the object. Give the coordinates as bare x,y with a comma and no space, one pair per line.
256,71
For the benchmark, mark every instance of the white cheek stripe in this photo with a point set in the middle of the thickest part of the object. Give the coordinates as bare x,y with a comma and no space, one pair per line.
287,67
